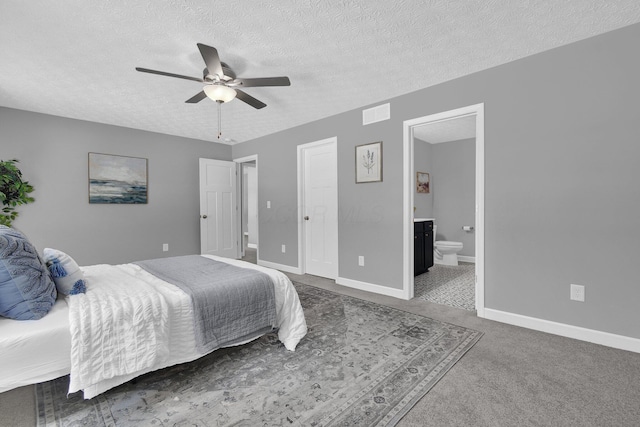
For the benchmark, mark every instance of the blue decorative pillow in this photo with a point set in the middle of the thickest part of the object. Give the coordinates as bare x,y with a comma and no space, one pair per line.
26,289
66,274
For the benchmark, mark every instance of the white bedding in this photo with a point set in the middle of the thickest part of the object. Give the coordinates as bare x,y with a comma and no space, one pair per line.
179,335
33,351
120,326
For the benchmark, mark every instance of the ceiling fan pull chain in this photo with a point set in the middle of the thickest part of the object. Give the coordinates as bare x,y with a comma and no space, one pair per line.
219,119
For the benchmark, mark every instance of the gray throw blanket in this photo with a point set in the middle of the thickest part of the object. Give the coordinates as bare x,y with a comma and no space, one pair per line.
231,304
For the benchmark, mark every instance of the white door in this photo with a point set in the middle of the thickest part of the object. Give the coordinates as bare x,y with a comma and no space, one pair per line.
320,208
218,208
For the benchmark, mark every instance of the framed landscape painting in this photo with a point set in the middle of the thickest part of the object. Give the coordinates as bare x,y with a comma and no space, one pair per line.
117,179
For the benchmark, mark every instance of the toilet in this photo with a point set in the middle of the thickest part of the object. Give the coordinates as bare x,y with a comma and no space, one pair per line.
444,251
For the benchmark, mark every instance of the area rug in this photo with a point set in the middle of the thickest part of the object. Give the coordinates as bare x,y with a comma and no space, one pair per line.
360,364
452,285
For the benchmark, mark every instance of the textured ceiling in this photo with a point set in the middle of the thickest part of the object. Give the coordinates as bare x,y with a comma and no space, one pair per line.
76,58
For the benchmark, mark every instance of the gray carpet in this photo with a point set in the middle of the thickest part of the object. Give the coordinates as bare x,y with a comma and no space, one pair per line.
361,364
452,285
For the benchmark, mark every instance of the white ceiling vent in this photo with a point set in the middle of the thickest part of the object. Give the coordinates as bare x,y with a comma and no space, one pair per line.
376,114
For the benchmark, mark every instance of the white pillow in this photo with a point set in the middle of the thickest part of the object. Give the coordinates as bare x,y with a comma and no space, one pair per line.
65,272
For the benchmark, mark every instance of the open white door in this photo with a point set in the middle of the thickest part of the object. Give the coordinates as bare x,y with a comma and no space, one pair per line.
218,208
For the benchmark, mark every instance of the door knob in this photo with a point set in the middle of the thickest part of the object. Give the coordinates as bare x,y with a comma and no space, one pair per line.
306,218
203,216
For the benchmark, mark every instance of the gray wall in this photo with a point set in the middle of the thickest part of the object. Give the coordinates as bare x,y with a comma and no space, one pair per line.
561,155
53,155
368,225
423,162
453,187
451,200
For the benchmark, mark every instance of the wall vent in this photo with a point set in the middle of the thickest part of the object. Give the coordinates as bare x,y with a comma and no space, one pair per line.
376,114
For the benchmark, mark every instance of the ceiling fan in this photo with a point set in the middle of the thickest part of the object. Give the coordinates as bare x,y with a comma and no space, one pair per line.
221,82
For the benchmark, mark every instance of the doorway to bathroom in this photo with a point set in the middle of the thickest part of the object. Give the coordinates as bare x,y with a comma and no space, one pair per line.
444,182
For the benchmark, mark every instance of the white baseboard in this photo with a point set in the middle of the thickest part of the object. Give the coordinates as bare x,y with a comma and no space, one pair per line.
598,337
465,258
281,267
252,245
370,287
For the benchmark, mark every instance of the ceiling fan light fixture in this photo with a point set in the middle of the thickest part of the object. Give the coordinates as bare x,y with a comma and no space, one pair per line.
219,93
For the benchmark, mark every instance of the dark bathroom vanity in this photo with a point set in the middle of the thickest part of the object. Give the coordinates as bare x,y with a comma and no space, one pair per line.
422,246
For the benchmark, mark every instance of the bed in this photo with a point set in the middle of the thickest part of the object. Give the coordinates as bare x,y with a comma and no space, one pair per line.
160,331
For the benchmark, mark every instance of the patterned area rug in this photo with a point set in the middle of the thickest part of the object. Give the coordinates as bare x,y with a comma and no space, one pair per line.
360,364
452,285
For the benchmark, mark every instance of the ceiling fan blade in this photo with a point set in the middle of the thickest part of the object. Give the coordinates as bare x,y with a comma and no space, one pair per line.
162,73
196,98
211,58
264,81
243,96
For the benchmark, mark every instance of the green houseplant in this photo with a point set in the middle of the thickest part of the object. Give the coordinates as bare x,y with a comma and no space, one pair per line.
13,191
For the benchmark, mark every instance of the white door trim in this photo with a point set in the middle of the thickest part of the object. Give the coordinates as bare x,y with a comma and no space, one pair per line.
246,159
408,197
239,161
301,231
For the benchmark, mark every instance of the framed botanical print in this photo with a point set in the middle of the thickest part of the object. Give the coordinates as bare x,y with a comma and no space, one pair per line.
369,162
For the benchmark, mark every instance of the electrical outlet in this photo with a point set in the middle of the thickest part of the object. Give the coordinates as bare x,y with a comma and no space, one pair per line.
165,247
268,204
361,261
577,293
284,249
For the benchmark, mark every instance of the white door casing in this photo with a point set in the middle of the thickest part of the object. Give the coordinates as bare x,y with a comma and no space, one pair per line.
318,171
408,189
218,208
